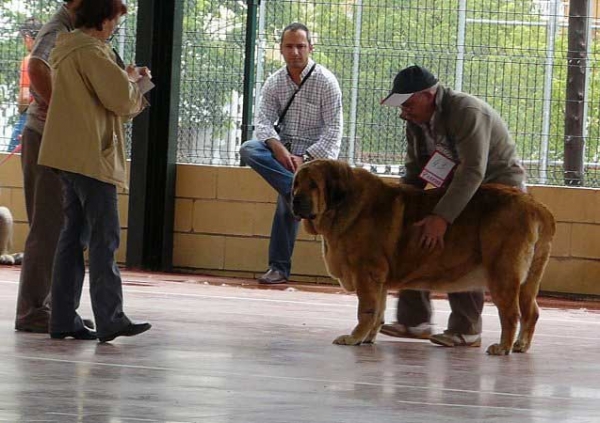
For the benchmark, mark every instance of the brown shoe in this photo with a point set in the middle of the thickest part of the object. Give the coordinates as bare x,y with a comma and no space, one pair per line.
272,277
398,330
449,339
39,328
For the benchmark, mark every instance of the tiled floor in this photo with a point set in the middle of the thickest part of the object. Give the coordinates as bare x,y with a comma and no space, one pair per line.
230,354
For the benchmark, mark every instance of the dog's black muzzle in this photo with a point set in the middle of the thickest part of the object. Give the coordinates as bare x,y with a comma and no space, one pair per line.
302,207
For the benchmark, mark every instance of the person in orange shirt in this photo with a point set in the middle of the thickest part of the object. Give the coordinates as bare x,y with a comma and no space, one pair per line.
28,30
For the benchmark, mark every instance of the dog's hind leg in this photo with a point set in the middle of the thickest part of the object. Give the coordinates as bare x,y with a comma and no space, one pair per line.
381,319
527,297
504,295
508,260
369,315
505,270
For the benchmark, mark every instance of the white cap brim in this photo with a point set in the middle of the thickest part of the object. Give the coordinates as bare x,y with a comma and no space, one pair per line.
395,100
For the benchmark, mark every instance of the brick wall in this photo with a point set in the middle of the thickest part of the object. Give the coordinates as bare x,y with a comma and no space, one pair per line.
223,221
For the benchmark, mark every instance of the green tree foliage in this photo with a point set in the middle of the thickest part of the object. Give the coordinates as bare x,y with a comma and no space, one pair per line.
505,58
12,49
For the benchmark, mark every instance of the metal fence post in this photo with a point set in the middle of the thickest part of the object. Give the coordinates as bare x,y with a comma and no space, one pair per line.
249,69
551,29
154,147
574,107
460,45
355,77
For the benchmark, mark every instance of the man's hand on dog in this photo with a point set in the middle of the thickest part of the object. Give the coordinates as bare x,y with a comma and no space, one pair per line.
433,229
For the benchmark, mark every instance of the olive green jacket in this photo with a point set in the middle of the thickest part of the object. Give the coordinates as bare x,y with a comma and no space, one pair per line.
483,145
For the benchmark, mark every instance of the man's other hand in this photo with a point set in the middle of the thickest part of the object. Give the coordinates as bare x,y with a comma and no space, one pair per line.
282,155
298,161
433,229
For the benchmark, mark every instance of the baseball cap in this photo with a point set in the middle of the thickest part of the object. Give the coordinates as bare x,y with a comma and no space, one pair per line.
409,81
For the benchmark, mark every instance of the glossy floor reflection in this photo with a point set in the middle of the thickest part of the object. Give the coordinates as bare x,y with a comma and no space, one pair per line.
229,354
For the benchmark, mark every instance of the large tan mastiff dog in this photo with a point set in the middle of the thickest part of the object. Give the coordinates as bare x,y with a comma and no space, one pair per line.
501,241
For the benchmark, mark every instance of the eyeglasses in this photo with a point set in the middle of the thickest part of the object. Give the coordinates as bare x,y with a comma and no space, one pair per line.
120,27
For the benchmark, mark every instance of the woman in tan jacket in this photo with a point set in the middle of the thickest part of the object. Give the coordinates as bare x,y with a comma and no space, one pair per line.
83,140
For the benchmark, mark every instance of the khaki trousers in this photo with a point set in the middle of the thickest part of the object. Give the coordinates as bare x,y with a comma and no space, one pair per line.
414,308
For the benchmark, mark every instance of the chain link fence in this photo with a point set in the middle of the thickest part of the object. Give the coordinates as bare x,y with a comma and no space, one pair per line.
13,14
513,54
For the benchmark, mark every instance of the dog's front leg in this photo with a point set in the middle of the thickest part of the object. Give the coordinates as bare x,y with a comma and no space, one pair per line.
369,294
370,339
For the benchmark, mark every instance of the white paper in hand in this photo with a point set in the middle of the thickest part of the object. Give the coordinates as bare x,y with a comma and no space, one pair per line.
145,84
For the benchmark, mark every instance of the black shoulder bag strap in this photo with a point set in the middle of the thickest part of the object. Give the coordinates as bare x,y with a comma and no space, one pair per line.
289,103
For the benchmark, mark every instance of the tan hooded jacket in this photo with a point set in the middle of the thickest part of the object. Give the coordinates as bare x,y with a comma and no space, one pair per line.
91,97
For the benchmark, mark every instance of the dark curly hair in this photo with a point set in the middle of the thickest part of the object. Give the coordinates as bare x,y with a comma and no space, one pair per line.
92,13
30,27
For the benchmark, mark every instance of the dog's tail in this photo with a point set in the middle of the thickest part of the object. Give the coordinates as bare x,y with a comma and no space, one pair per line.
546,231
546,227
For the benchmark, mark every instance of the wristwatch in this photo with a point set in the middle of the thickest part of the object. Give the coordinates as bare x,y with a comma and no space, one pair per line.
306,157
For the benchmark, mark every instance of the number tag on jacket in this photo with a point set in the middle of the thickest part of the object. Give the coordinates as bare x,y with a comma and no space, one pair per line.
438,169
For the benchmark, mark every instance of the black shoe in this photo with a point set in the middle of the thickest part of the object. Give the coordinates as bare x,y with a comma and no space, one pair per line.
272,277
82,334
130,330
89,324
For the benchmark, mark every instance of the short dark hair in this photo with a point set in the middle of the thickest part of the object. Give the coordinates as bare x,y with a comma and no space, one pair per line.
296,26
92,13
30,27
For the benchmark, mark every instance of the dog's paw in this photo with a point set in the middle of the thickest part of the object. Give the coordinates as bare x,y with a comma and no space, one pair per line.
346,340
18,257
7,259
369,340
520,347
497,349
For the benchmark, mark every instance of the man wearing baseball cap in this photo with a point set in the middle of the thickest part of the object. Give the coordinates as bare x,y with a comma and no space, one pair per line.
457,141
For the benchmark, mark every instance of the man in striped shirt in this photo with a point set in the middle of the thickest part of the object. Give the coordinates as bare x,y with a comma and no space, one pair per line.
310,128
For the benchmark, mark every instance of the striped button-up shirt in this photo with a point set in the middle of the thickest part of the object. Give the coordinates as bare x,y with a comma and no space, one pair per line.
44,43
313,123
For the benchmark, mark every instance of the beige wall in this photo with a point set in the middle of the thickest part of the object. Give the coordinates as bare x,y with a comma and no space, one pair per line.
223,220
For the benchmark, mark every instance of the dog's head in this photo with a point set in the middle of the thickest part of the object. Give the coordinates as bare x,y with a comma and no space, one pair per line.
319,186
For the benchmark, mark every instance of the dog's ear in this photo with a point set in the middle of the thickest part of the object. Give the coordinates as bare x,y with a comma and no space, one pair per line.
309,226
338,177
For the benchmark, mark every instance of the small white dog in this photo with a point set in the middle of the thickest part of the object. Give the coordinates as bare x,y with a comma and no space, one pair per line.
6,232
